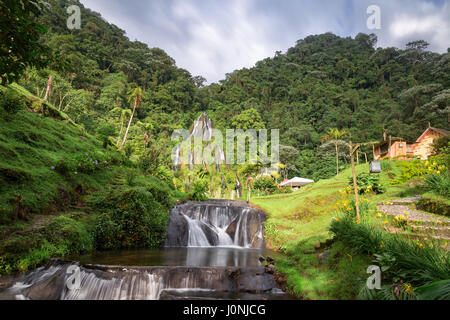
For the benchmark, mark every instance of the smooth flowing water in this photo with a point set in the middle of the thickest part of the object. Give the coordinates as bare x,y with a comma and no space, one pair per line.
212,250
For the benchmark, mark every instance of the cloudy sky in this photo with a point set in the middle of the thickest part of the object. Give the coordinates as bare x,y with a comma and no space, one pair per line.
214,37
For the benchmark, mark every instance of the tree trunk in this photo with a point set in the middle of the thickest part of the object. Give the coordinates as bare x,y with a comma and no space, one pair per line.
337,159
128,128
120,133
355,184
49,88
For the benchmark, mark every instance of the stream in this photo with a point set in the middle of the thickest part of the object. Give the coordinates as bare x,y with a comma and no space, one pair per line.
212,251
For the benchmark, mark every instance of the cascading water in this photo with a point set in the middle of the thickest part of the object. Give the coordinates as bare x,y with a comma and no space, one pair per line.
215,223
218,242
203,128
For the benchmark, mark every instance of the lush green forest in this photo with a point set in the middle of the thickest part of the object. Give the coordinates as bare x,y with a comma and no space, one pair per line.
86,118
323,82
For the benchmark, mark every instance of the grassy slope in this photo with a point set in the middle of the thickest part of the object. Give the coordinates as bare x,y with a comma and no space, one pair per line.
304,213
298,221
30,144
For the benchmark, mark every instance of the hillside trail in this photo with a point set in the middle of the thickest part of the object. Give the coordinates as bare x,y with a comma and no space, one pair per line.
39,222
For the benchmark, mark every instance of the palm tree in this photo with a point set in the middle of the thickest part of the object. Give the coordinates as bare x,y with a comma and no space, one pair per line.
335,136
136,95
123,114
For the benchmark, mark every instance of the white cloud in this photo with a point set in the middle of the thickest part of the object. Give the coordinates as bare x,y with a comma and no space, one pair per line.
214,37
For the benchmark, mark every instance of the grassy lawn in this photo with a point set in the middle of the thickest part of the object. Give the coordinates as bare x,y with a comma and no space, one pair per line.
297,222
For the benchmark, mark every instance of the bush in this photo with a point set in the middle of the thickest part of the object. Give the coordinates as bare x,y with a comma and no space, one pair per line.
367,183
69,234
107,233
265,184
198,190
434,205
411,262
11,101
133,218
84,163
410,169
104,132
348,207
439,183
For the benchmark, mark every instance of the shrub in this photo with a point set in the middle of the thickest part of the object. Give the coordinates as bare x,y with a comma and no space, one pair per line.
130,177
69,234
135,216
107,233
439,183
412,262
84,163
433,205
11,101
265,184
105,132
198,190
367,183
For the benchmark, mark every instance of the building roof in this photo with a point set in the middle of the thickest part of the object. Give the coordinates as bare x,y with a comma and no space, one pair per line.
393,139
296,182
441,131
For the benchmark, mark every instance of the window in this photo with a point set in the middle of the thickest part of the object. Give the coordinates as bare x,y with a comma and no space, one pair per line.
400,145
408,148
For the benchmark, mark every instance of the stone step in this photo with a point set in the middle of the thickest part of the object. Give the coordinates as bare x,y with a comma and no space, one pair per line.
425,237
413,215
436,231
402,201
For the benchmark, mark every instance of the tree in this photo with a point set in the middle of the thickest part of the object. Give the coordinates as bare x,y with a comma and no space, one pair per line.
20,45
136,95
123,114
248,119
334,136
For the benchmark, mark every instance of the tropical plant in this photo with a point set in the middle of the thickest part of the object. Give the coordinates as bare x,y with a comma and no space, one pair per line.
335,136
136,96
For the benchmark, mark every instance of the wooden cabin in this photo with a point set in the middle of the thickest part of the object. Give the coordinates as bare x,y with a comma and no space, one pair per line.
401,149
422,147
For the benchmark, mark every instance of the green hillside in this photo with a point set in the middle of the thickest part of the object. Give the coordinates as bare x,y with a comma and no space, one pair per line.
316,222
33,148
63,191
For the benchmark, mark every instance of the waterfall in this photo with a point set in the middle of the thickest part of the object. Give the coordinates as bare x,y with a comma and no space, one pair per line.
203,128
197,237
241,230
215,223
211,235
139,283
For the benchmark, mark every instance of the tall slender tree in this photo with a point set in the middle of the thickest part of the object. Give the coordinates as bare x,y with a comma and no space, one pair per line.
335,136
136,95
123,114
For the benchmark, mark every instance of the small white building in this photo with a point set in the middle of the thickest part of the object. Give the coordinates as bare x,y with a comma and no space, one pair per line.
295,182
